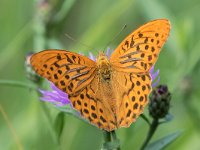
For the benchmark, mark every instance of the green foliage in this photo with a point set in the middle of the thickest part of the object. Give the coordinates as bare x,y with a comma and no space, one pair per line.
163,142
26,26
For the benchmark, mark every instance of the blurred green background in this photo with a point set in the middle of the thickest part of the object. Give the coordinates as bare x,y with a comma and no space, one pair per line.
27,123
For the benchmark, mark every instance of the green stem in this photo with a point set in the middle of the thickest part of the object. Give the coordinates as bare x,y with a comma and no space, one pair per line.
111,141
114,137
107,136
17,84
50,125
152,130
19,145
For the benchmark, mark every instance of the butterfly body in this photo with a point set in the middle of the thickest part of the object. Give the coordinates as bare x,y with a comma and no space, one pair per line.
104,67
111,92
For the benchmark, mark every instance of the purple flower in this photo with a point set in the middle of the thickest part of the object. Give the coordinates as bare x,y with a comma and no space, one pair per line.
108,53
60,98
154,76
56,96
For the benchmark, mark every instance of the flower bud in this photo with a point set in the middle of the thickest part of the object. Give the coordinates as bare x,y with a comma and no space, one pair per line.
159,102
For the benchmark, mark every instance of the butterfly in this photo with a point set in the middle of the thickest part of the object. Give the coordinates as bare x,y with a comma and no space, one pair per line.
111,92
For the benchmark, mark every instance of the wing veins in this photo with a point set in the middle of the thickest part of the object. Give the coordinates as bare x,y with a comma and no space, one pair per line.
129,54
83,80
130,60
80,74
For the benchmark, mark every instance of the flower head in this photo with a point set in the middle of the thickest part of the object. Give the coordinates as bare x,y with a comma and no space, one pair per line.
60,98
56,96
159,103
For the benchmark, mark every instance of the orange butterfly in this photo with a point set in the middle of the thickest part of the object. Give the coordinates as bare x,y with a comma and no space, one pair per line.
110,93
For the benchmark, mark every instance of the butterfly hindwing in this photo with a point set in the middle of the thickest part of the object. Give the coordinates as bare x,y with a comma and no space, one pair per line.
131,96
91,105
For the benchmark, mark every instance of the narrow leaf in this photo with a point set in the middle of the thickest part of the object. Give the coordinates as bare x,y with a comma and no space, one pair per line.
59,123
163,142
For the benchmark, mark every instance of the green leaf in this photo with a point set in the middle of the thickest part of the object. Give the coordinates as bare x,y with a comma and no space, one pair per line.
144,117
59,123
168,118
64,10
163,142
15,83
71,111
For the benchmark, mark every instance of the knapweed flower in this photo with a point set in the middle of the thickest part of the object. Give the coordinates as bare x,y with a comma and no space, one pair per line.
159,103
60,98
56,96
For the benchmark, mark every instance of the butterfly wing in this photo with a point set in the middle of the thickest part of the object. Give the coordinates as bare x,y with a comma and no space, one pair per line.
131,62
77,76
90,103
69,71
139,51
131,94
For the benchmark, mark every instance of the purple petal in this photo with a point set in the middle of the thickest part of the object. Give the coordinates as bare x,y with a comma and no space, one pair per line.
61,93
53,87
56,96
47,93
108,52
156,82
154,75
151,70
91,56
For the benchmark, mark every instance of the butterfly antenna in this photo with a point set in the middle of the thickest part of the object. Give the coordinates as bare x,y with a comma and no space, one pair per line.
71,38
116,36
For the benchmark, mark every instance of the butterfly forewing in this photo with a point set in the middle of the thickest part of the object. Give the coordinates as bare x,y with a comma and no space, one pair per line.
69,71
139,51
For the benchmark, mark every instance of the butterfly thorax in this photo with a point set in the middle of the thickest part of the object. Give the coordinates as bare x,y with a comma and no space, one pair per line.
104,71
104,68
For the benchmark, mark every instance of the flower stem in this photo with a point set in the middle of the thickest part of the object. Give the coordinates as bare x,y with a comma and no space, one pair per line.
11,128
107,136
111,141
152,130
17,84
114,137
